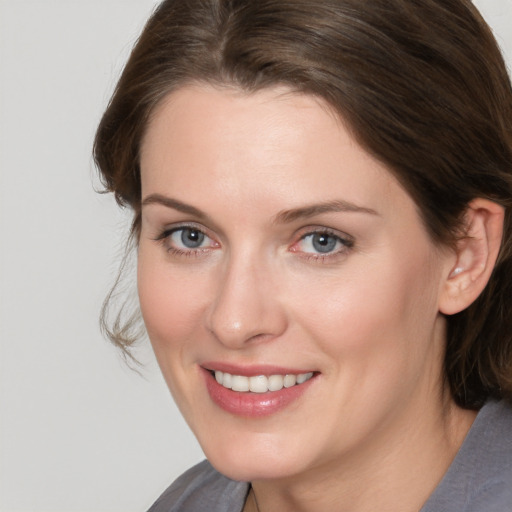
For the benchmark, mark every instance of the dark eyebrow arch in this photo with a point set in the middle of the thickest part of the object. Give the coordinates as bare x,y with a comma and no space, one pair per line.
283,217
317,209
169,202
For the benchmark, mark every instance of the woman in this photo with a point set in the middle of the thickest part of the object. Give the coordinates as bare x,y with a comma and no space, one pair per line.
321,195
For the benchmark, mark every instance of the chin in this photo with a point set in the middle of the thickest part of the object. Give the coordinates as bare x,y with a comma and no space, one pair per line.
249,461
257,470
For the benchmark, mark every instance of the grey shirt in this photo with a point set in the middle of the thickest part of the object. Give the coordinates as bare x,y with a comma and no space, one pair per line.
478,480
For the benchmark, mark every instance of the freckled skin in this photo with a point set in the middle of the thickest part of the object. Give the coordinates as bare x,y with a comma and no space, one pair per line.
365,315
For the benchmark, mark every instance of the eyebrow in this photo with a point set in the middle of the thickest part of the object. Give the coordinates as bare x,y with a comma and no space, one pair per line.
283,217
292,215
169,202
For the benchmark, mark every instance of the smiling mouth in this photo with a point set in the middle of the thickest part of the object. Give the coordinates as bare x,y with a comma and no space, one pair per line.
259,383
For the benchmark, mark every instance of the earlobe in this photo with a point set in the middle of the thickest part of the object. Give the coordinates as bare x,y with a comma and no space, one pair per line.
476,255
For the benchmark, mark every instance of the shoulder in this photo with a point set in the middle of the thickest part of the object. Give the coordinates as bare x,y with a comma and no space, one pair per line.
202,488
480,477
492,482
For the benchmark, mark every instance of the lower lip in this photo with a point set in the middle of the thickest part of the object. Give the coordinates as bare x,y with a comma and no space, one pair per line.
253,404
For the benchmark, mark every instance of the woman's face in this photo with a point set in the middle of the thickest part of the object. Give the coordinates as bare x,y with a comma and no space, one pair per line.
274,247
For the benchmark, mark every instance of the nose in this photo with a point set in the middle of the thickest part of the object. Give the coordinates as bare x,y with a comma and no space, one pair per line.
246,306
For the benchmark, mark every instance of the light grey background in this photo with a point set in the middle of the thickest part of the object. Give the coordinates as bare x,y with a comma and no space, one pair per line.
78,430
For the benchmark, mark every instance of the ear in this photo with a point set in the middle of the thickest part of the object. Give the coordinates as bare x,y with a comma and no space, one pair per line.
475,256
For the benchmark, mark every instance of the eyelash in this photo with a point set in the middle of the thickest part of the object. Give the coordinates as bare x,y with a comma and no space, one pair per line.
165,237
346,242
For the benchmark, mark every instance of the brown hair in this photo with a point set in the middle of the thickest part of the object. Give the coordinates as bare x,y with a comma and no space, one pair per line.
421,84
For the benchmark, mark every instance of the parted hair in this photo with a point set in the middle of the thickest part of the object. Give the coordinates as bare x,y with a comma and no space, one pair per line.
422,86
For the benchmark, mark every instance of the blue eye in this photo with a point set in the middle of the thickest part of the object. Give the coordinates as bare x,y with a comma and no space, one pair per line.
186,240
189,238
322,243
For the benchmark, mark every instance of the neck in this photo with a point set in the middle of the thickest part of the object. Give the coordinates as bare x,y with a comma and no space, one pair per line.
396,472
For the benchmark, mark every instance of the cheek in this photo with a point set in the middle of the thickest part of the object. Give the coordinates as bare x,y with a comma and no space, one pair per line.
171,303
172,308
368,325
374,309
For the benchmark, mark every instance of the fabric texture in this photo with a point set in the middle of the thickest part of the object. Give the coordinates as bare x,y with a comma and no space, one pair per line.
480,477
202,489
478,480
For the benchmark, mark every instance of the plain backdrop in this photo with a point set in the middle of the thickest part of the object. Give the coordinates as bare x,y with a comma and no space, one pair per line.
79,431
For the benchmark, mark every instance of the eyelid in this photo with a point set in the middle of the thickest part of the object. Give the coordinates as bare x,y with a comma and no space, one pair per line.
169,230
315,229
346,240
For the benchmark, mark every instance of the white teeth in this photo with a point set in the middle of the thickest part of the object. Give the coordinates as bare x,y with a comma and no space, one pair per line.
303,377
260,383
227,379
289,381
275,382
239,383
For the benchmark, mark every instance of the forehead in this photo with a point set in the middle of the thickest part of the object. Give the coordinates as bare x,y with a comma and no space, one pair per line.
216,118
275,144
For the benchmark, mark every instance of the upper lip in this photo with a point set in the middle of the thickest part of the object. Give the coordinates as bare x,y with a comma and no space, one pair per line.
252,369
